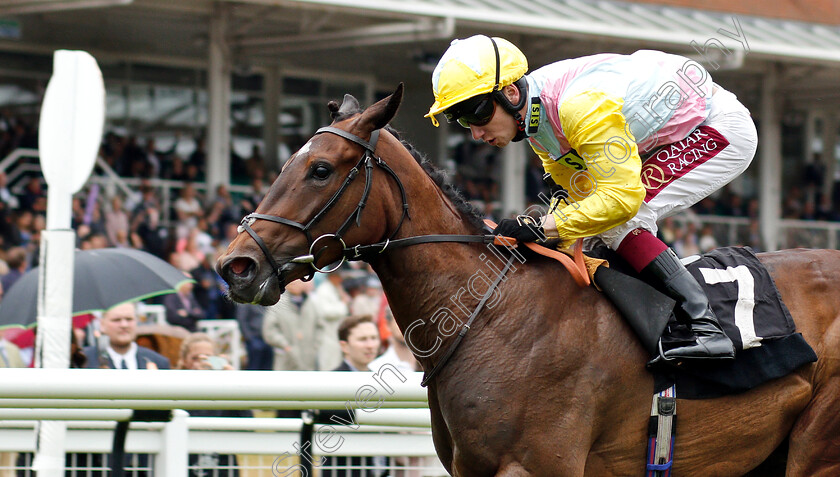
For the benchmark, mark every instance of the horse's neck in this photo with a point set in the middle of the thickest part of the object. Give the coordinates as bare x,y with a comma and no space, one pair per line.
416,268
428,297
435,283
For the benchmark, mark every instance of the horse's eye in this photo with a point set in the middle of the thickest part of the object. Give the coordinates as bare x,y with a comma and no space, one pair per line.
321,172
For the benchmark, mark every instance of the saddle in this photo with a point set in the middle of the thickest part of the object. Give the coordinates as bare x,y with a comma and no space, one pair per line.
748,306
767,344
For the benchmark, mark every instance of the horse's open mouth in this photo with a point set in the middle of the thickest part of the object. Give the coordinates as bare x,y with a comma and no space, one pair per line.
264,292
248,282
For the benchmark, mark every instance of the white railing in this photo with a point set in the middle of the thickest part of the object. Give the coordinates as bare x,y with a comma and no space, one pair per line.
808,234
171,388
727,230
15,156
167,190
151,314
792,233
112,179
398,425
279,447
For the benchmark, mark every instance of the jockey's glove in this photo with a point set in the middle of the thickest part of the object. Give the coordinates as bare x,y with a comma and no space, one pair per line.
557,191
521,230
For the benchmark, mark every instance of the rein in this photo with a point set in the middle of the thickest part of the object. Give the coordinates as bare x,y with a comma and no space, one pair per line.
449,351
367,252
359,252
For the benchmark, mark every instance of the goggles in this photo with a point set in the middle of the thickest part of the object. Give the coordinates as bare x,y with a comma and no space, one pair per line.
477,111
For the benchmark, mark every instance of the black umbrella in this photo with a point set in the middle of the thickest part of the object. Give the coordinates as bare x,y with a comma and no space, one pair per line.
103,278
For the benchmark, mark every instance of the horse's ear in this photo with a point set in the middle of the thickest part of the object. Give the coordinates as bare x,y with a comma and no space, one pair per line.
381,113
349,106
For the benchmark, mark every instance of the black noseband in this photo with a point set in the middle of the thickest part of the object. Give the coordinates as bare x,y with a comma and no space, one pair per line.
368,160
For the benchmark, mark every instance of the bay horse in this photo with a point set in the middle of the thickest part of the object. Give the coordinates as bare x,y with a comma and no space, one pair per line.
550,381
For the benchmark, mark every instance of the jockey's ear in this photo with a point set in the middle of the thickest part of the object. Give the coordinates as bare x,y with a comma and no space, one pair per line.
380,113
511,92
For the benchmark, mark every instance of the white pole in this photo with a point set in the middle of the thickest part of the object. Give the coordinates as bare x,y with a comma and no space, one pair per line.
514,164
49,456
173,457
271,91
54,323
218,97
153,404
70,131
829,159
770,165
56,297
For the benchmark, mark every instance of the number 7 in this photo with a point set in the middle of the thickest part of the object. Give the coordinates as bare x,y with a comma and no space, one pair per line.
746,299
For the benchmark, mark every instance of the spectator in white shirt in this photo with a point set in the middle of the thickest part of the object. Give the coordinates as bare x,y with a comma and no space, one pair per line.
117,348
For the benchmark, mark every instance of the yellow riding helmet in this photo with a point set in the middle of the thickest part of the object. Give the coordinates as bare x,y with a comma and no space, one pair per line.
469,67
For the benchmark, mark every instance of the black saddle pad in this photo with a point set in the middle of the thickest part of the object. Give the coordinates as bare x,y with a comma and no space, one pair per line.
747,303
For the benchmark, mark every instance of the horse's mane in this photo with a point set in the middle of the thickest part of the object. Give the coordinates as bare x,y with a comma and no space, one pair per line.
438,176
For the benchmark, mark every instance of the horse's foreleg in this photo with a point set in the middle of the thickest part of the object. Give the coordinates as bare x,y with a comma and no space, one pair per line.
440,434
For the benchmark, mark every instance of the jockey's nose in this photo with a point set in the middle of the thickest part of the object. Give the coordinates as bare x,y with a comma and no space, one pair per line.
477,132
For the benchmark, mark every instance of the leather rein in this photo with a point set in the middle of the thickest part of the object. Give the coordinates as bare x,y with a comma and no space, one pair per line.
368,160
357,252
366,252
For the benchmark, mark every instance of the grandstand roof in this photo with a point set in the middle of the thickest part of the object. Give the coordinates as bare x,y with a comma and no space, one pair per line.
658,24
163,29
390,39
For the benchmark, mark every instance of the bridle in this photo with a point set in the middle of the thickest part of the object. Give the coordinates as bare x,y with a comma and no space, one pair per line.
365,252
368,160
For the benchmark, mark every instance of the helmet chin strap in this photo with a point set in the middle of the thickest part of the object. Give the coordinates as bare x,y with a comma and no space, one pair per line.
522,85
520,127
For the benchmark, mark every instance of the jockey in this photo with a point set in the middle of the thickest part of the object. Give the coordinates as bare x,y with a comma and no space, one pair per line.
633,138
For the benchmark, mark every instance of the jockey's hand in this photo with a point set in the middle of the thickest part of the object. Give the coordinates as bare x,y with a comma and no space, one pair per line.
557,191
522,232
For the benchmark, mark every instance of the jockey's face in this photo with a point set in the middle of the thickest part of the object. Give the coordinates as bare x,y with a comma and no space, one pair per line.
502,127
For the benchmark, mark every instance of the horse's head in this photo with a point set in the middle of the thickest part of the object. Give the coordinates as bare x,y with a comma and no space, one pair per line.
328,196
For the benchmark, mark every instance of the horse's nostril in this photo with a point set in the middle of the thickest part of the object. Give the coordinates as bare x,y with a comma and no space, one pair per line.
241,266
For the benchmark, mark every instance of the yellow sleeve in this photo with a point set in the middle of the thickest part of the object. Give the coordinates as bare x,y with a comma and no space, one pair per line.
561,174
609,192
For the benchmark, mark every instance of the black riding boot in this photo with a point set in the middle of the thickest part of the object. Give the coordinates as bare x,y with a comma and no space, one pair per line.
710,341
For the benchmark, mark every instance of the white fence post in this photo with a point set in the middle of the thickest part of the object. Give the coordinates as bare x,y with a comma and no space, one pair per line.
173,457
